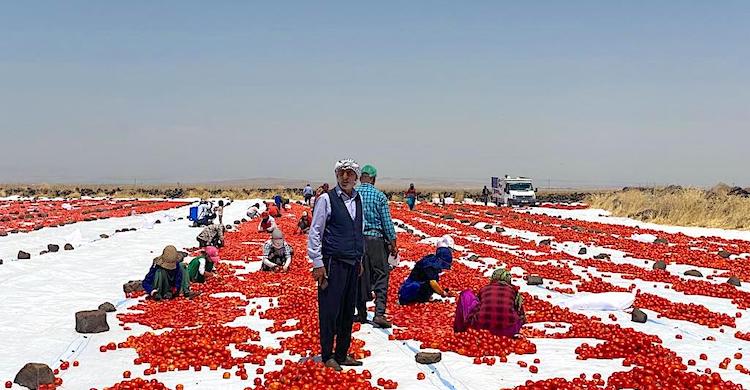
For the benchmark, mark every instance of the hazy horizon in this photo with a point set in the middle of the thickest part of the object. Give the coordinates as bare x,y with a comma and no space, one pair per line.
573,94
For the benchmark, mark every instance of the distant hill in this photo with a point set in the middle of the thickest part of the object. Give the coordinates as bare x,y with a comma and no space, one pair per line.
384,182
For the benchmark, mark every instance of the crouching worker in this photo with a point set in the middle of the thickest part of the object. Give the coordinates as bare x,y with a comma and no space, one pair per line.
211,235
202,267
304,223
267,223
254,211
167,278
498,308
277,254
424,278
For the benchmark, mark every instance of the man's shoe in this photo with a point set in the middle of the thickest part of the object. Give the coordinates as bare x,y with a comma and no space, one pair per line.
168,295
332,363
362,319
350,362
381,322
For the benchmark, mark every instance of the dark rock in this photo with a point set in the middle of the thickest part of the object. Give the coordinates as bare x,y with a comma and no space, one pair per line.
244,220
410,231
68,247
237,222
602,256
132,286
91,321
43,253
228,227
734,281
639,316
464,221
23,255
534,280
488,227
158,221
724,254
739,191
53,248
661,241
645,214
660,264
693,272
473,258
1,261
32,375
546,242
428,357
499,229
582,251
103,236
448,217
107,307
3,233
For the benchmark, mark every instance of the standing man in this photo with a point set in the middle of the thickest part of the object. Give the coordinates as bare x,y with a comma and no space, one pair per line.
486,195
307,192
335,245
380,239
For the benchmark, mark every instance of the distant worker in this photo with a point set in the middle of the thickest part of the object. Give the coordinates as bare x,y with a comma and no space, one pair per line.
411,196
307,193
424,278
380,240
277,254
267,223
486,195
202,267
304,223
279,201
219,211
211,235
254,211
205,215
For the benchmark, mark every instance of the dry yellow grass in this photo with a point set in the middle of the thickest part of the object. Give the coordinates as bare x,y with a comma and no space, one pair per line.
677,206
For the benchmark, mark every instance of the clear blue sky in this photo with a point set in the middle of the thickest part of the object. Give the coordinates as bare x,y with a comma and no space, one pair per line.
598,92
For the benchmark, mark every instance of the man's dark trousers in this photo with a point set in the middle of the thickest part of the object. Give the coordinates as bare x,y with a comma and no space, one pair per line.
336,308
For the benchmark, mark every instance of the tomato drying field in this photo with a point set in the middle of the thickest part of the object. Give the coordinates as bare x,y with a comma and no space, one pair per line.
254,330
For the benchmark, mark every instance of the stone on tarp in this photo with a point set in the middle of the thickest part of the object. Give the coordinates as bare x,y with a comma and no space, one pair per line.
639,316
158,221
499,229
23,255
237,222
68,247
428,357
132,286
103,236
693,272
724,254
602,256
473,258
44,252
734,281
661,241
534,280
488,227
32,375
660,264
582,251
53,248
91,321
107,307
546,242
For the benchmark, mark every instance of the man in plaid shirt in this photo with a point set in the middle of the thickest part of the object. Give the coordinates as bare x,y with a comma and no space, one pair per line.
380,240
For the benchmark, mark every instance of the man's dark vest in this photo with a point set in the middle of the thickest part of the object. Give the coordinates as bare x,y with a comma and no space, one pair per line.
342,237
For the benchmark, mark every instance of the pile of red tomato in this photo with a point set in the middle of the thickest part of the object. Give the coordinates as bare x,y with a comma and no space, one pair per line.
27,215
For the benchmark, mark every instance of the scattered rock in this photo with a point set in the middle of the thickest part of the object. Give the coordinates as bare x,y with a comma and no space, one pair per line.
1,261
639,316
448,216
660,264
68,247
410,231
103,236
582,251
534,280
661,241
23,255
733,280
645,214
91,321
43,252
158,221
107,307
724,254
132,286
237,222
546,242
428,357
602,256
499,229
488,227
244,220
473,258
228,227
53,248
32,375
693,272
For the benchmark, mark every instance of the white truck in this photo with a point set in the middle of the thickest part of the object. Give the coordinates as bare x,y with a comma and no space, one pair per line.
513,191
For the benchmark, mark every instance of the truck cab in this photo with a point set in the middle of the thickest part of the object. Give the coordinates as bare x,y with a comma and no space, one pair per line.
513,191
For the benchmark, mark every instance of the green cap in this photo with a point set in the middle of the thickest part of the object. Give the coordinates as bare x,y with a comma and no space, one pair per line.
369,170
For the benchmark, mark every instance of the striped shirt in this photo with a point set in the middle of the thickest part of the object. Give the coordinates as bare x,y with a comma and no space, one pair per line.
376,213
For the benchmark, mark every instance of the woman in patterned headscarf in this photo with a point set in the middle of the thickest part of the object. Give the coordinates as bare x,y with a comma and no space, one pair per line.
498,308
